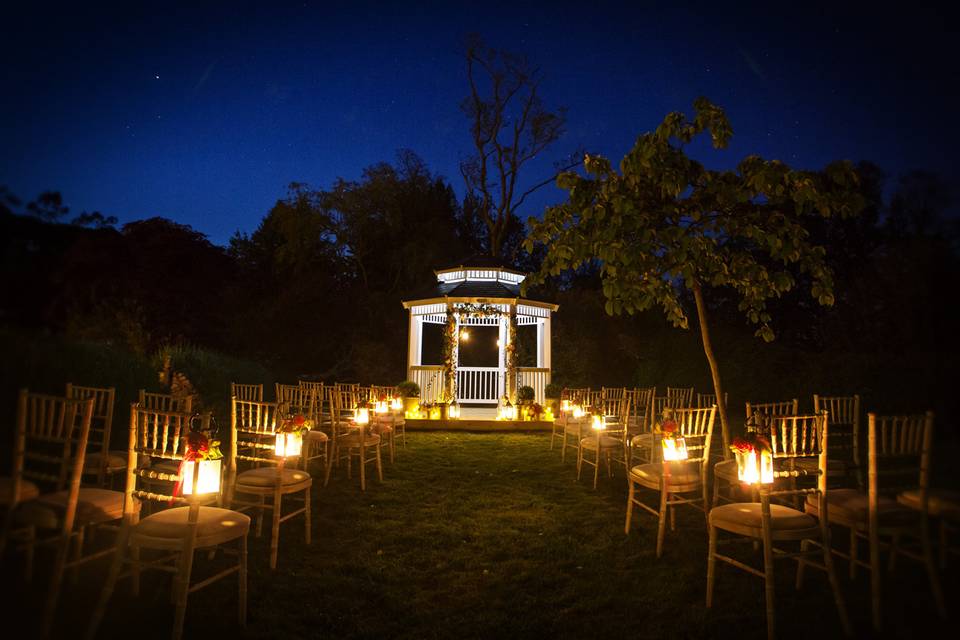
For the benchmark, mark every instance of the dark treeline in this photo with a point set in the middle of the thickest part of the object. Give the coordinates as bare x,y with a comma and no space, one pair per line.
316,290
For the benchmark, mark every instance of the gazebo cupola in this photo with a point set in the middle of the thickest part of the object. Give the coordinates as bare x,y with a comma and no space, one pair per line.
481,292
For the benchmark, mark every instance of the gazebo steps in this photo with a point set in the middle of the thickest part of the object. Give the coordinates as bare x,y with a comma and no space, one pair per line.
477,425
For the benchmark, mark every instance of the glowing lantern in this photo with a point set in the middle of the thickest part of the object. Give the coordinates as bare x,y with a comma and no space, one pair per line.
381,407
289,444
674,448
507,411
548,415
597,423
578,411
464,335
362,416
453,411
396,404
751,470
435,412
565,406
208,480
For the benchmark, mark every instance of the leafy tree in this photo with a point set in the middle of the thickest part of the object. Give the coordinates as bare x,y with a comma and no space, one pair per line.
665,225
509,127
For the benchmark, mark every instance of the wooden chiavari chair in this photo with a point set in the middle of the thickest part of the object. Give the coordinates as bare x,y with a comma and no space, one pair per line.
679,397
791,438
100,461
356,440
899,450
707,400
612,393
177,532
607,443
678,482
758,415
243,391
640,425
253,426
843,413
46,504
165,402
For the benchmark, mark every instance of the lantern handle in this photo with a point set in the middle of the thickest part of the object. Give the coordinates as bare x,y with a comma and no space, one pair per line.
215,428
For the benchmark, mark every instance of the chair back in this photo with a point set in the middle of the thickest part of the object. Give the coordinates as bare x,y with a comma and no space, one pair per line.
594,399
679,397
791,439
253,432
612,393
246,391
641,408
843,413
155,436
705,400
762,413
297,399
50,444
696,427
101,420
165,402
899,449
347,399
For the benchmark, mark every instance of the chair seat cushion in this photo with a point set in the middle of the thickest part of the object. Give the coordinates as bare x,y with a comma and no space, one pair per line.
940,502
214,525
93,506
850,505
746,518
726,470
116,461
267,477
605,442
681,473
28,490
317,436
353,440
642,440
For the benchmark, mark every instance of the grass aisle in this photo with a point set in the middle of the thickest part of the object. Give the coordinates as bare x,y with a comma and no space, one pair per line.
490,535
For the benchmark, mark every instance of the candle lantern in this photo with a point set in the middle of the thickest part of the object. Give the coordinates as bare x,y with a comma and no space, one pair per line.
565,406
578,411
208,480
674,449
753,466
453,411
289,444
381,407
396,404
362,415
597,423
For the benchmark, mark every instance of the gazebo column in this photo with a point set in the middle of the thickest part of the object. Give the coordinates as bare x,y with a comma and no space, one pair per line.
414,344
502,359
544,344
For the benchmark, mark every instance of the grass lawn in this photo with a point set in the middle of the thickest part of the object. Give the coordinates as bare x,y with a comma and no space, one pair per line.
490,535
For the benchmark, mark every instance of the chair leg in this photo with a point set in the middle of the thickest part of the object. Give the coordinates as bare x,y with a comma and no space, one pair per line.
875,587
711,564
307,521
114,572
332,451
242,580
802,562
363,467
927,548
596,468
380,467
184,569
261,513
579,462
53,594
768,580
832,577
853,553
662,520
563,448
630,494
275,527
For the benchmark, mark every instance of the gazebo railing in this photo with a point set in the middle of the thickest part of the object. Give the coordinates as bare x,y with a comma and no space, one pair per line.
535,377
429,379
478,384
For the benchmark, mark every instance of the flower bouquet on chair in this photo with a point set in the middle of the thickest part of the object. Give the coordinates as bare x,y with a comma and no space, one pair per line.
200,466
290,434
673,446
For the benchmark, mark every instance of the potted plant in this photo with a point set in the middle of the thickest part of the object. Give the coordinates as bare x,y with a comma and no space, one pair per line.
410,391
525,396
551,394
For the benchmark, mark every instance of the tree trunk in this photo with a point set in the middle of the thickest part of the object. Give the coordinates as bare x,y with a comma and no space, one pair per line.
714,368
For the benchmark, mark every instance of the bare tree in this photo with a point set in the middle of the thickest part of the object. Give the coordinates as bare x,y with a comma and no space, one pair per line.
509,126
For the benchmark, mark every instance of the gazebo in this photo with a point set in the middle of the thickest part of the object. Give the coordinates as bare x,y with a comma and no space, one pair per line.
481,292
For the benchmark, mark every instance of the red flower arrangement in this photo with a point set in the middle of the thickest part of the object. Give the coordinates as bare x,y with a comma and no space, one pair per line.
750,442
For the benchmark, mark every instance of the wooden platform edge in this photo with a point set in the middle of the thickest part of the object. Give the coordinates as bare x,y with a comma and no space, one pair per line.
478,425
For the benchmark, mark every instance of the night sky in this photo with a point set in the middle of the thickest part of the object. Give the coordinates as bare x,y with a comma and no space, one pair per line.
204,115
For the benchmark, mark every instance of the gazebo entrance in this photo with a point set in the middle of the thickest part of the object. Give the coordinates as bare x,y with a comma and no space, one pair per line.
467,302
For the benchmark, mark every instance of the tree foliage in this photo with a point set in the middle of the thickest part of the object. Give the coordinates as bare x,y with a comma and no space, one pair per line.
665,226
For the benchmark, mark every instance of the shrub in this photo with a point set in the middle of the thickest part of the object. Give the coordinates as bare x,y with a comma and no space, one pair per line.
409,389
552,390
525,393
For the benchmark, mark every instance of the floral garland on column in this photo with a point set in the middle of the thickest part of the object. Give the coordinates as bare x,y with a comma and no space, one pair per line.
511,357
449,373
